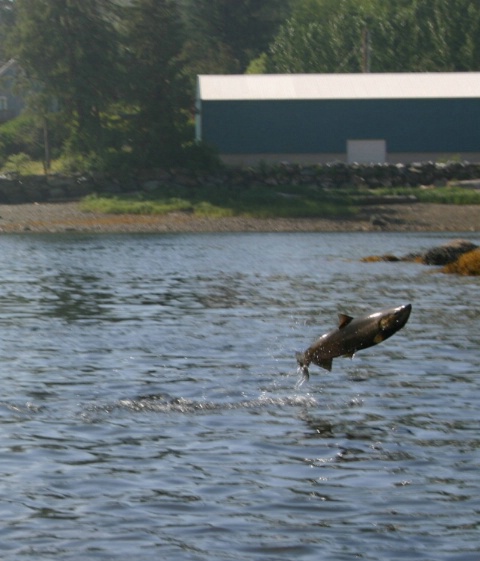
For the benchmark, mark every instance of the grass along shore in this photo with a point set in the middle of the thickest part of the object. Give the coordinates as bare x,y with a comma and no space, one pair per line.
75,217
271,202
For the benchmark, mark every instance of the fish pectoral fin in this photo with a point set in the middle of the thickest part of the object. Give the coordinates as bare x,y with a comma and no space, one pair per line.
343,320
379,337
326,363
349,355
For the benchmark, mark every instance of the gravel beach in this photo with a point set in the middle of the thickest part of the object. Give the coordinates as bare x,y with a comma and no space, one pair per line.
69,217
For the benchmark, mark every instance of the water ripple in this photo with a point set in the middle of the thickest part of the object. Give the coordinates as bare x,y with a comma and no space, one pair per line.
149,404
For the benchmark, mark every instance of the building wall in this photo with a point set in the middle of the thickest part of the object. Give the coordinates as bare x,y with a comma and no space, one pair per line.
316,128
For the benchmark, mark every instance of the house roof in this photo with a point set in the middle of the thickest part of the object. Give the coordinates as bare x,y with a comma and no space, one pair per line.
5,67
339,86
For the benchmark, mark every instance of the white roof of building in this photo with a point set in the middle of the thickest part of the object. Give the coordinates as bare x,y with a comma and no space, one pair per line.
339,86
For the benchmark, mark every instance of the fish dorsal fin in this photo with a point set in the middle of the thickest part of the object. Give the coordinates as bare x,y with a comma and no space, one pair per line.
343,320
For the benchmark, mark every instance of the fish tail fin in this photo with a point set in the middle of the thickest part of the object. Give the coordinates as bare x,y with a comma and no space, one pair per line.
302,369
305,376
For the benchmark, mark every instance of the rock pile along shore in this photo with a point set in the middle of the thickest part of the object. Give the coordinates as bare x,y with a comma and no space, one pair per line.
54,188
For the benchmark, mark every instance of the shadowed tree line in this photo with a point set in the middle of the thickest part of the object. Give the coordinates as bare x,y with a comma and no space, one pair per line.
110,83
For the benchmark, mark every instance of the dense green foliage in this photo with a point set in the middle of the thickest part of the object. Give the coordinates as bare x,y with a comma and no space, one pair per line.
407,35
110,83
68,52
223,36
120,74
156,89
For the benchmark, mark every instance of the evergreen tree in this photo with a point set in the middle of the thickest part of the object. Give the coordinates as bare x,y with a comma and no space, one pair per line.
225,35
157,89
68,50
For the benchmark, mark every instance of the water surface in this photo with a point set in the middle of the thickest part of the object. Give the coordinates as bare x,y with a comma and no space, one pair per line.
149,407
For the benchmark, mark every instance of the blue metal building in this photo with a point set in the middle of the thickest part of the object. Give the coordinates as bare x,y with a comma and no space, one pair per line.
365,118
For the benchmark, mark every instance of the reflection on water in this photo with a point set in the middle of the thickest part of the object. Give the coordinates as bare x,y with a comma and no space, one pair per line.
73,297
149,404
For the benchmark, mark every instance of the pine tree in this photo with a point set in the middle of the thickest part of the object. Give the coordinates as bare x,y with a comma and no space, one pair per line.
225,35
157,89
68,50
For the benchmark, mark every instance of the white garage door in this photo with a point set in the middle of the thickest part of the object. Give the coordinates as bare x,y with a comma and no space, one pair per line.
366,151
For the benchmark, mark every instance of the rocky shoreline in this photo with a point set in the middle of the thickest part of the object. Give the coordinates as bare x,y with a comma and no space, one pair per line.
39,203
69,217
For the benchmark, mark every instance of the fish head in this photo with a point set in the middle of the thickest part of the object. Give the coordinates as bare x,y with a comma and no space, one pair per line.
392,320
